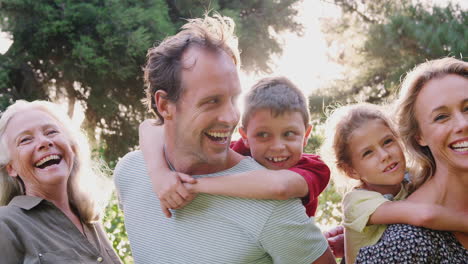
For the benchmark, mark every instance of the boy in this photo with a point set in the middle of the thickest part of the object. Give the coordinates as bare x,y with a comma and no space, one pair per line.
275,128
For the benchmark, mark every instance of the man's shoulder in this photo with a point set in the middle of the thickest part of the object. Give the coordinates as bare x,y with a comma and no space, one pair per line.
132,156
245,164
248,163
130,160
130,164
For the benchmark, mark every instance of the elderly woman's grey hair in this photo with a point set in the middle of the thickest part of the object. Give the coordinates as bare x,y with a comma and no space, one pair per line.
86,188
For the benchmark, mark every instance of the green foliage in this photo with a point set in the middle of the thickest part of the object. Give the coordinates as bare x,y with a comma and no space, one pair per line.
115,229
329,212
313,143
255,22
377,42
5,101
91,53
329,209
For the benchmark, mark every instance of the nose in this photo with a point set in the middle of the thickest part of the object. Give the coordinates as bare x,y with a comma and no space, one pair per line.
461,122
230,114
44,143
277,145
384,154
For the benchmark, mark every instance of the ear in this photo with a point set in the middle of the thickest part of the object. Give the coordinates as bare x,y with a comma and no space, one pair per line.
420,140
11,171
164,106
307,134
350,171
244,136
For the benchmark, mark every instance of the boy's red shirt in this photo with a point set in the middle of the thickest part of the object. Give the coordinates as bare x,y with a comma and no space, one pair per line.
315,172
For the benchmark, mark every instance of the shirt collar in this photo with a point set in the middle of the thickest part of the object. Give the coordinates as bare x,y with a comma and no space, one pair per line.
25,202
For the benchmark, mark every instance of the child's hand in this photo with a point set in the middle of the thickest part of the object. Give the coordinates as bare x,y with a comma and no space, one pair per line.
172,193
335,238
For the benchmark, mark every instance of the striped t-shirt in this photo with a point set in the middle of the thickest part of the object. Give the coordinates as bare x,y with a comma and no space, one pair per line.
214,228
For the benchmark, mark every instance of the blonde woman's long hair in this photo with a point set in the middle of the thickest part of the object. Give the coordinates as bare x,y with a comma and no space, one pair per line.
420,159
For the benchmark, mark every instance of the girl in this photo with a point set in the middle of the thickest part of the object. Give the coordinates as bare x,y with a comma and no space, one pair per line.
364,153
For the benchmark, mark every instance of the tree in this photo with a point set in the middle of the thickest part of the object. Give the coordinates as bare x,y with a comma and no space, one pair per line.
86,52
379,41
92,52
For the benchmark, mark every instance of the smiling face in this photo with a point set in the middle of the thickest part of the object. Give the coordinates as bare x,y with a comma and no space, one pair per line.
376,156
204,118
276,142
41,154
443,121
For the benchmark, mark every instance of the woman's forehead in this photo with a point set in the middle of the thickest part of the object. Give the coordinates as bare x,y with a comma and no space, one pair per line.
29,120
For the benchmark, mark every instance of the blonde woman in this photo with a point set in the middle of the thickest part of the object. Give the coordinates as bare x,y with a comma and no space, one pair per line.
48,212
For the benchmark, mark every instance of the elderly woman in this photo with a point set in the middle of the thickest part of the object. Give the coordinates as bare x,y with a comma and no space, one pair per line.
433,121
47,214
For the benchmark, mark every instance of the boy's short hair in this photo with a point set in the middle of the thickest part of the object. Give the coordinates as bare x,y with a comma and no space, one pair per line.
279,95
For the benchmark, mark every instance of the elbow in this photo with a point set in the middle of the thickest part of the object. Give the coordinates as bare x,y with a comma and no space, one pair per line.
280,191
284,188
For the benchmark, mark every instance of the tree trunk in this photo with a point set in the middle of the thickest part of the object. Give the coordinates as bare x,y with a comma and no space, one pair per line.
71,96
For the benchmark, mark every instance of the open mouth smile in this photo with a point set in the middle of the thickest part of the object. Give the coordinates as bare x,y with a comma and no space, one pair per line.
391,167
461,146
48,161
277,159
220,137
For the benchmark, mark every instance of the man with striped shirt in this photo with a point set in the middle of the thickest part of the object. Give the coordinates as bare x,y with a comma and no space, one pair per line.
192,86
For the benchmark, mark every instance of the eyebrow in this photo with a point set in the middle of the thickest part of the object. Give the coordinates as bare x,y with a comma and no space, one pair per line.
363,150
207,98
385,136
443,106
25,131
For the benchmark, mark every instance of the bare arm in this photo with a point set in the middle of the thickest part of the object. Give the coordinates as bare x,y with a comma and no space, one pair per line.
258,184
326,258
166,183
420,214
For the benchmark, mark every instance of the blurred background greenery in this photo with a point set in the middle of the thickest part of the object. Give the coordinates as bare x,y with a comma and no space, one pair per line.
90,53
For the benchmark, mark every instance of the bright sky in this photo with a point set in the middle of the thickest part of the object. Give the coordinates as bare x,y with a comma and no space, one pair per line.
304,59
5,42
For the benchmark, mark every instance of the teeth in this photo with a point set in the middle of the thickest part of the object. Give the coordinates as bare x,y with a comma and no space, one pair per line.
44,160
391,167
461,149
463,144
219,134
277,159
